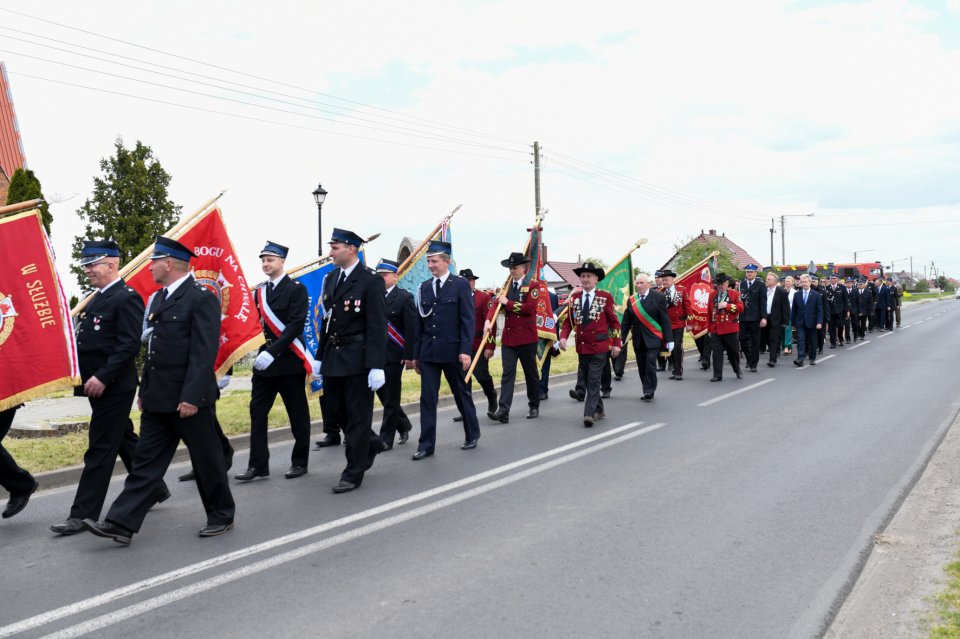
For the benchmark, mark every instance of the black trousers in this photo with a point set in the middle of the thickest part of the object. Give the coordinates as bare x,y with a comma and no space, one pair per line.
14,479
848,329
821,336
330,424
836,329
647,365
619,363
705,348
430,392
606,378
350,401
807,343
527,355
728,343
263,393
593,366
774,341
394,419
750,341
111,433
481,373
160,433
860,326
677,354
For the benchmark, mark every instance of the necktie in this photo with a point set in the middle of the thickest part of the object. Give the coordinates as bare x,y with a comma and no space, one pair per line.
163,295
437,283
805,293
516,287
339,282
641,297
586,305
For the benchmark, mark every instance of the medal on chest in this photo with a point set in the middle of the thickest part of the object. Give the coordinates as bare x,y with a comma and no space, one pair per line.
96,323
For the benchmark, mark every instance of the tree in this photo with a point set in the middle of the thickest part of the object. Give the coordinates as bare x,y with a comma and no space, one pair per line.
25,186
942,283
129,203
691,253
597,261
923,286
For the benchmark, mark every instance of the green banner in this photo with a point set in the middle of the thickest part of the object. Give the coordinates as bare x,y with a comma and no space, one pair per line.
619,283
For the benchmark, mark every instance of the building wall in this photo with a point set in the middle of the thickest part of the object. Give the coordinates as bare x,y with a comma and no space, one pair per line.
12,156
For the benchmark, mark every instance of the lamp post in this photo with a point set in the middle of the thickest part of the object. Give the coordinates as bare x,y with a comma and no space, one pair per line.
893,263
860,251
783,236
319,195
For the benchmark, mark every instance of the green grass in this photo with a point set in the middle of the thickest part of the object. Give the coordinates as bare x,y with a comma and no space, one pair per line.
928,296
948,606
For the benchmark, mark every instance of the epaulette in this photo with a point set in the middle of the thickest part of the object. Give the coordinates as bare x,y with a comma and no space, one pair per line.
297,282
262,284
372,271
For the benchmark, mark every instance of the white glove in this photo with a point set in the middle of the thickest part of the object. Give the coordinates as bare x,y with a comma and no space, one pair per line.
263,360
224,381
670,346
376,378
317,366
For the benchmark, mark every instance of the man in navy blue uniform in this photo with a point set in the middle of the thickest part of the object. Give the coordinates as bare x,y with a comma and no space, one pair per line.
401,325
808,318
444,341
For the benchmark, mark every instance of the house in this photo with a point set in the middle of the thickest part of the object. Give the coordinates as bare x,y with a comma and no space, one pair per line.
560,276
737,255
11,147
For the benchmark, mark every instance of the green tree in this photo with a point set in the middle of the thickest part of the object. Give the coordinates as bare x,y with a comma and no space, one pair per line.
25,186
922,286
689,254
597,261
942,283
129,204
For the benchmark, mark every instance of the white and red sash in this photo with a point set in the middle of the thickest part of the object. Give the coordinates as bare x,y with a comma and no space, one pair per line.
276,327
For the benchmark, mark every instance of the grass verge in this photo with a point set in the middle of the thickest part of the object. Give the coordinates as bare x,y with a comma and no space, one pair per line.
948,605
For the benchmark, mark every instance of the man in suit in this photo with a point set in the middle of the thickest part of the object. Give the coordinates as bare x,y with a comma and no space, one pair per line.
401,329
864,307
647,321
894,310
849,333
519,340
808,318
822,331
482,303
836,306
444,345
178,389
594,318
15,480
751,296
776,315
281,366
108,340
884,305
353,348
725,307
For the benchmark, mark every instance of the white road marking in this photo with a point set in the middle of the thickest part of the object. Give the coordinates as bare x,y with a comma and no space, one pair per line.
194,589
736,392
819,359
906,326
930,318
919,322
159,580
887,334
863,343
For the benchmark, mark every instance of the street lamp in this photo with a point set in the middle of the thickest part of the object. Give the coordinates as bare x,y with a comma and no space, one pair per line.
860,251
893,263
319,195
783,237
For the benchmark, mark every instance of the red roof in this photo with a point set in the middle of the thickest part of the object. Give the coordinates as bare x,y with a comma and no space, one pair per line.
738,256
565,271
11,147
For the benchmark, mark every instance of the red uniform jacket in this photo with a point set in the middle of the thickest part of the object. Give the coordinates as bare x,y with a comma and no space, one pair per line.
519,320
678,306
724,321
601,332
482,303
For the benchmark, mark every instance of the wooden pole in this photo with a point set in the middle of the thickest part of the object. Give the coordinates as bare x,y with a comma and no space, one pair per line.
20,206
697,266
407,263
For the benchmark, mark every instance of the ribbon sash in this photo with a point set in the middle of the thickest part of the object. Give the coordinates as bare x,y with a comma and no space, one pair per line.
276,326
395,335
645,318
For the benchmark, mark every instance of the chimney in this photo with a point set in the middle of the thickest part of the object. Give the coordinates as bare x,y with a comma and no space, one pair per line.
713,231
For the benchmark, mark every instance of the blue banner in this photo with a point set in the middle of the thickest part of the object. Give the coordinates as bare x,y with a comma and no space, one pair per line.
418,273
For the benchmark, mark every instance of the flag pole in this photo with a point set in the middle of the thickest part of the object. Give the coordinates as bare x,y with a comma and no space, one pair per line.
407,263
20,206
496,311
697,265
633,248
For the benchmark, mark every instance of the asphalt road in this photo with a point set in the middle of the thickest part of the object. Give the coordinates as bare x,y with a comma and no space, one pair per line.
702,514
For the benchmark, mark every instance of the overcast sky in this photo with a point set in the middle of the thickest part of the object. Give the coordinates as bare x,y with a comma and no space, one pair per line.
656,120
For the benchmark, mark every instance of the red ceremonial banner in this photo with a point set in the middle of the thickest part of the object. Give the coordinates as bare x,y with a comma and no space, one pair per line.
38,352
217,268
699,284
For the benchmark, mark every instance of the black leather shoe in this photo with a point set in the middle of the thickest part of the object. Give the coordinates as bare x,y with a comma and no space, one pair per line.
575,395
375,447
329,440
191,476
19,502
251,473
753,369
386,447
499,417
544,396
833,346
679,378
605,395
798,363
469,444
533,413
771,364
647,397
162,495
618,378
588,421
422,454
739,375
716,379
344,487
295,471
108,531
459,418
813,362
213,530
404,437
704,366
71,526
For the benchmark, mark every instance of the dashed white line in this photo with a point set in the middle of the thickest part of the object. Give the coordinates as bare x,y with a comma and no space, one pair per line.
819,359
736,392
855,346
888,334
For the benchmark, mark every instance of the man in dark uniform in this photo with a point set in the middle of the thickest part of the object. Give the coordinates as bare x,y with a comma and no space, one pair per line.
178,389
482,303
353,352
836,306
401,327
108,340
884,305
15,480
281,366
646,318
518,342
865,302
849,332
894,310
751,296
444,345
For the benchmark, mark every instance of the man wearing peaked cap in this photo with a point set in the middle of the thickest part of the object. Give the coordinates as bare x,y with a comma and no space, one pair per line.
281,366
519,340
753,298
353,353
108,340
836,307
401,328
178,390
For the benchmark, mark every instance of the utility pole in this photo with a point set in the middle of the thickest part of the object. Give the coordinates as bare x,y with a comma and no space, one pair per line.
771,243
783,242
536,175
911,267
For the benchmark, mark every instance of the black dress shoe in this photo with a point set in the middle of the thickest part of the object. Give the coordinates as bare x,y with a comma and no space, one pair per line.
191,476
499,417
213,530
404,437
108,531
329,440
605,395
251,473
647,397
704,366
71,526
798,363
588,421
344,487
544,396
422,454
739,375
618,378
459,418
716,379
575,395
470,444
295,471
753,369
813,362
533,413
19,502
386,447
771,364
674,376
162,495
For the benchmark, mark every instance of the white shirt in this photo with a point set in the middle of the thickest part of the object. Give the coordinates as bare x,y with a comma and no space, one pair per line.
770,293
387,292
109,285
347,271
443,279
277,279
175,285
